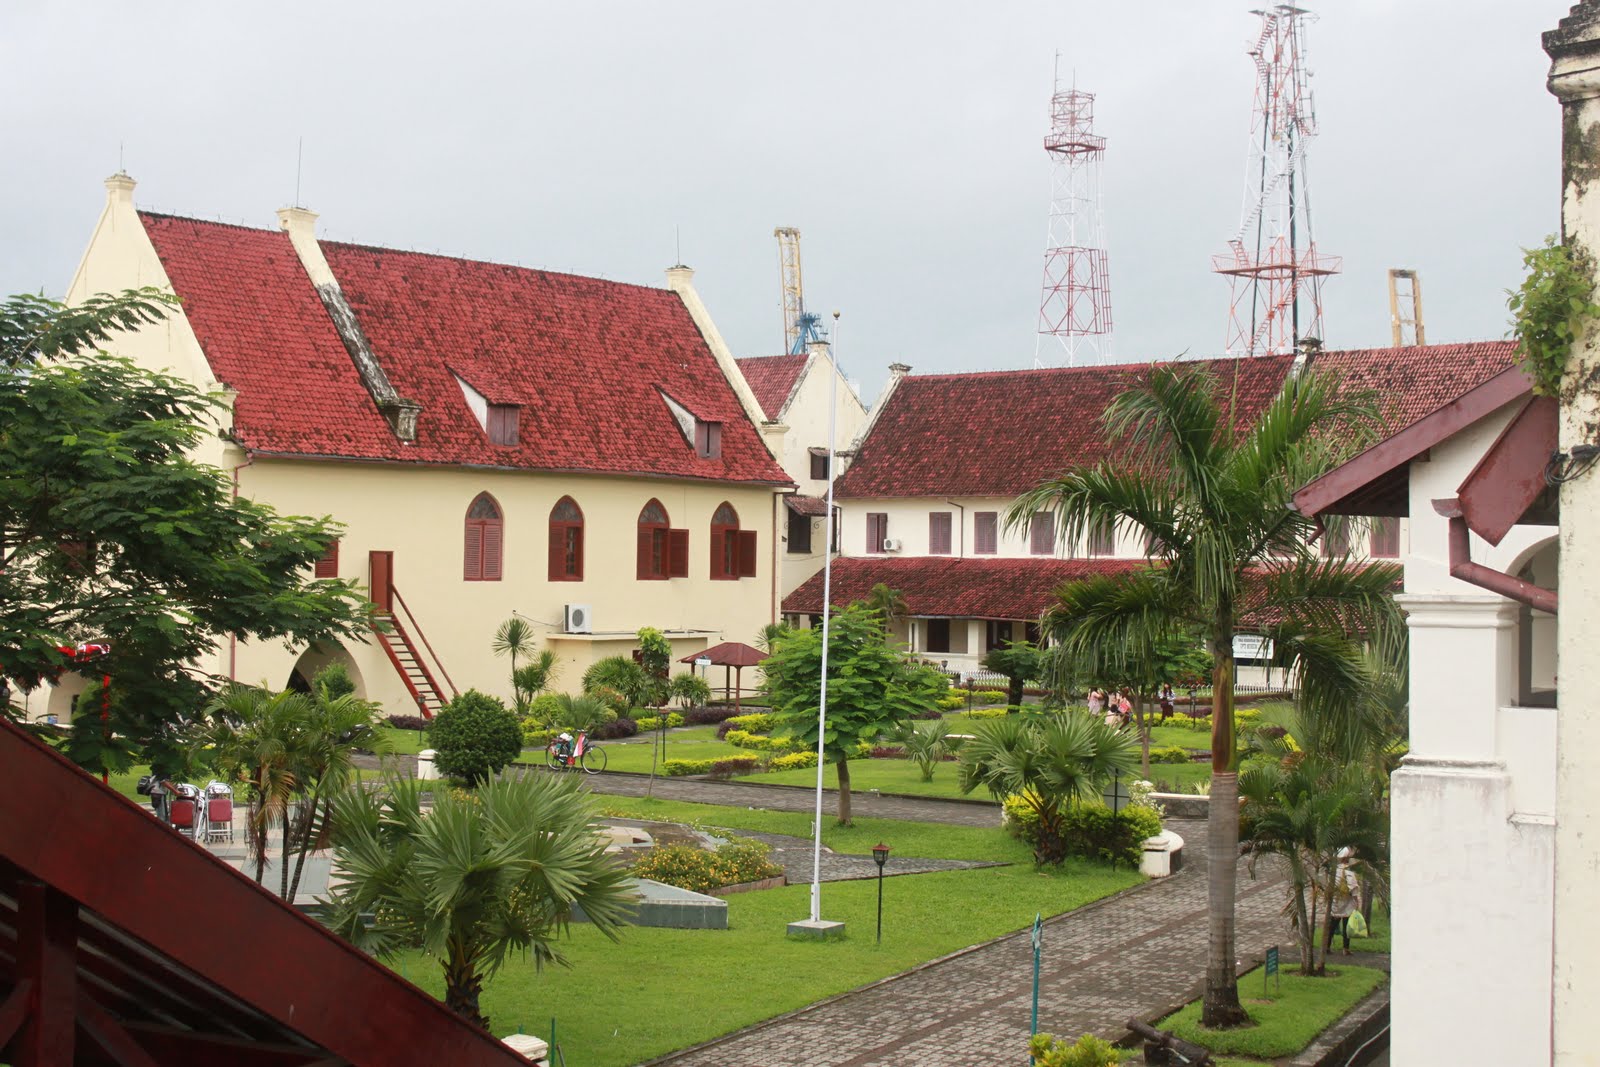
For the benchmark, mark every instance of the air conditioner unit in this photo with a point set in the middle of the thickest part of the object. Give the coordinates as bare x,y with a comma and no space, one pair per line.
891,544
577,619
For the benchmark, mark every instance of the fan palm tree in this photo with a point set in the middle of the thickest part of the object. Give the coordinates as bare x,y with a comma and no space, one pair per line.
1050,763
1212,499
480,877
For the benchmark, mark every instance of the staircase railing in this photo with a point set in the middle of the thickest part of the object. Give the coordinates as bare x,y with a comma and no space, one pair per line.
416,628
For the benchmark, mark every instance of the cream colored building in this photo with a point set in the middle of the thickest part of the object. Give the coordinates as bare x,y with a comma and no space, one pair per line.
793,392
496,440
924,502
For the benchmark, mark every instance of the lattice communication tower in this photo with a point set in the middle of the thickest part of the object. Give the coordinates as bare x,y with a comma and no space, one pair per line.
1273,260
1075,307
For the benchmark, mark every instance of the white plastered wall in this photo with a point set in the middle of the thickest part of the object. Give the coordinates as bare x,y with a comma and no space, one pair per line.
1473,804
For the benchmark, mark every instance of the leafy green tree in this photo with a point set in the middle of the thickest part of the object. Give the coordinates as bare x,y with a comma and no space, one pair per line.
478,879
1019,661
475,735
515,638
257,738
689,690
110,533
872,686
1212,496
1050,762
888,603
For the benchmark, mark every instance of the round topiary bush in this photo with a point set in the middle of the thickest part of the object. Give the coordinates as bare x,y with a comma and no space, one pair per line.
475,735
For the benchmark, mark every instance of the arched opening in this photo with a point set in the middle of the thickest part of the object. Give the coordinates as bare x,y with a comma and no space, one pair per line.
318,656
1536,630
654,548
725,543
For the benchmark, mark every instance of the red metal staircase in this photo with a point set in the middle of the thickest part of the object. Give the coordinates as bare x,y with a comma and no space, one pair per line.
405,649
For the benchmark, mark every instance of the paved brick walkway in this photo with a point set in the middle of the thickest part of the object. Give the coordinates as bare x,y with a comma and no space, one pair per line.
1135,954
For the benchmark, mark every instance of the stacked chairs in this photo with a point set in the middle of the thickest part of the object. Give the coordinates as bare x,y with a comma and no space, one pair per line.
218,812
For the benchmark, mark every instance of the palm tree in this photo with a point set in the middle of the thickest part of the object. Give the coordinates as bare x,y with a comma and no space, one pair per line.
258,738
515,638
480,877
1049,763
888,603
1212,499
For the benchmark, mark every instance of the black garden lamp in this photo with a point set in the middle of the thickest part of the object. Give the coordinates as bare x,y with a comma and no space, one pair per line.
880,856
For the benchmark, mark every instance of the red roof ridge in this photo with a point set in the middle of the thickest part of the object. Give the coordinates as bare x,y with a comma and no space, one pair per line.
358,246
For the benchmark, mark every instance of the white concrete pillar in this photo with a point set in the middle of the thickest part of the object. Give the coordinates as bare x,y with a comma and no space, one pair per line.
1574,48
1463,670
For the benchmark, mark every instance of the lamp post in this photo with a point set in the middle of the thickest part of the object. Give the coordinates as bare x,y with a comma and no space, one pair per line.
880,856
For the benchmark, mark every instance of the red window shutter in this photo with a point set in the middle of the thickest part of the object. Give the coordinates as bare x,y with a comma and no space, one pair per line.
985,530
1041,534
938,533
575,538
1385,537
472,558
877,530
558,553
718,561
645,545
677,553
747,553
327,566
491,550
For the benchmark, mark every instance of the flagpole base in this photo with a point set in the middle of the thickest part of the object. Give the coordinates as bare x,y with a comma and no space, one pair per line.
816,929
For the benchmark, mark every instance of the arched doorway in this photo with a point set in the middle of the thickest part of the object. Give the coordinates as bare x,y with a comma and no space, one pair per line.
1536,630
318,656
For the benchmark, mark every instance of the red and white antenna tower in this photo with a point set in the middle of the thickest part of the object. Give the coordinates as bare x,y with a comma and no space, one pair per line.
1075,307
1273,260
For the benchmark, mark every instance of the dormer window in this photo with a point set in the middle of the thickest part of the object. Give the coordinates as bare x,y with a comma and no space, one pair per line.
502,424
707,439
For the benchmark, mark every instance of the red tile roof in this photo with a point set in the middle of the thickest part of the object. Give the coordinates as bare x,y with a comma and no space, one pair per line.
772,379
588,360
998,433
801,504
954,587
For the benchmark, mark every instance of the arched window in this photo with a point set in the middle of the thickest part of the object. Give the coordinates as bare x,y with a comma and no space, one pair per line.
655,542
733,551
566,541
485,535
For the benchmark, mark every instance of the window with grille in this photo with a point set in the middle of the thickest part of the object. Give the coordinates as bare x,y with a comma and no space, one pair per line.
877,530
1041,534
985,532
733,551
1385,541
328,565
799,533
1103,539
566,541
938,533
484,537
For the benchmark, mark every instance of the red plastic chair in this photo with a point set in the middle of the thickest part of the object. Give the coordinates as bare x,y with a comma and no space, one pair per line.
181,816
219,818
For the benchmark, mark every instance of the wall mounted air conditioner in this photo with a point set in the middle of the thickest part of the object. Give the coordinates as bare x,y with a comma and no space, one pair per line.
577,619
891,544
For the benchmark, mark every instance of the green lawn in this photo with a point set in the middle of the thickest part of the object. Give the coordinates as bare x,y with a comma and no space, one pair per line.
1287,1018
406,742
885,775
751,971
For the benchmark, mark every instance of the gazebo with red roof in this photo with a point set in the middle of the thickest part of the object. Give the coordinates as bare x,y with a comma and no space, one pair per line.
733,655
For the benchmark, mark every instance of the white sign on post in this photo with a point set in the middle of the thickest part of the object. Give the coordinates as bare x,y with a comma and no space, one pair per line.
1251,647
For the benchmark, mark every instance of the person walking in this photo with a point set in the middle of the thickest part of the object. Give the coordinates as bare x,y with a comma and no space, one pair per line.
1168,697
1097,701
1345,897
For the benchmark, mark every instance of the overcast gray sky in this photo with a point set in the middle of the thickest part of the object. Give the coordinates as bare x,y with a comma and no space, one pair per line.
902,139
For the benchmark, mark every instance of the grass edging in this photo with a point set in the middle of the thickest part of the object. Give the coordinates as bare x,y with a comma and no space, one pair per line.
1288,1025
854,793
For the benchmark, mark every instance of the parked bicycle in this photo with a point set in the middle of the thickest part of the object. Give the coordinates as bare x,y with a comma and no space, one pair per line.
568,753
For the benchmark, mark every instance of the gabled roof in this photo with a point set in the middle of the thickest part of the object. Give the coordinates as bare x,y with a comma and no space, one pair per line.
179,956
954,587
772,379
587,360
999,433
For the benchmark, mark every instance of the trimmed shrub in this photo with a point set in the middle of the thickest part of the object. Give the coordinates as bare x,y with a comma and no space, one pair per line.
730,768
1170,754
700,871
653,722
793,761
983,713
931,713
543,708
887,752
616,728
680,768
757,722
1090,830
408,722
689,690
613,699
1089,1051
536,734
708,715
475,735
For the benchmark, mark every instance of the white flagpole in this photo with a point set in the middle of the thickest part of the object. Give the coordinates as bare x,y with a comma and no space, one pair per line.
827,617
